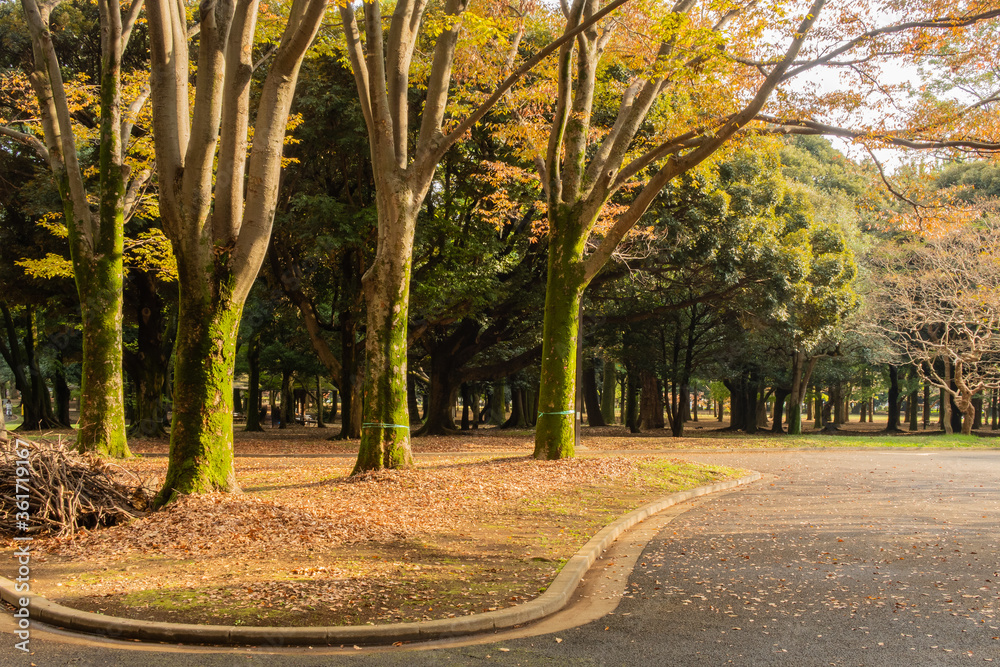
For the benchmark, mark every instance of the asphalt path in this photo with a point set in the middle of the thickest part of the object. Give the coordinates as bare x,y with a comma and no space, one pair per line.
836,558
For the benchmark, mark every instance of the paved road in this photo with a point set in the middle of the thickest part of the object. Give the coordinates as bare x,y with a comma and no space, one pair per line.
836,558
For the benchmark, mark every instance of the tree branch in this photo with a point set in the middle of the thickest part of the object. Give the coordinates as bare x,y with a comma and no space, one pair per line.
29,140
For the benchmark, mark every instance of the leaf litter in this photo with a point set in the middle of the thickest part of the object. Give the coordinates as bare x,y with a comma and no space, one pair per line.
305,544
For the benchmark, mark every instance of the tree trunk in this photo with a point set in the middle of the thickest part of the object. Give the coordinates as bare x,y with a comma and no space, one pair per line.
968,412
736,403
440,418
631,396
751,396
761,419
555,433
995,412
287,400
648,401
780,396
802,369
102,406
595,414
201,436
95,237
836,398
385,432
977,404
466,406
62,393
608,394
497,412
683,399
148,365
412,407
320,421
36,406
476,413
517,410
913,410
927,405
623,382
818,408
253,391
350,389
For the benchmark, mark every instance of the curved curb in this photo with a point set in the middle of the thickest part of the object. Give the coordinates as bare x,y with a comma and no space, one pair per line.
555,597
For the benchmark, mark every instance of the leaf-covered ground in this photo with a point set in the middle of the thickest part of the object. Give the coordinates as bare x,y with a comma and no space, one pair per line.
478,525
305,544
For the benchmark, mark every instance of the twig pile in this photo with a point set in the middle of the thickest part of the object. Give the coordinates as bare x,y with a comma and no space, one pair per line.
67,491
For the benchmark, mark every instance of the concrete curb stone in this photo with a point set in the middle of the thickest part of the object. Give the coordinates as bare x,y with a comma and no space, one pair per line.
555,597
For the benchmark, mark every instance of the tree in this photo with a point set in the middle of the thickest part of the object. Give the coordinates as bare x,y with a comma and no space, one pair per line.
23,357
217,206
683,100
382,69
95,236
936,304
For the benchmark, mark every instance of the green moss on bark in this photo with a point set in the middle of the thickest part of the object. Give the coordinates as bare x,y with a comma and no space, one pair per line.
201,437
385,433
554,430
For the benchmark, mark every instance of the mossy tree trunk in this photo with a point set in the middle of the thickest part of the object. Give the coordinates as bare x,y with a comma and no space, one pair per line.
201,437
554,431
381,64
580,177
217,197
385,431
102,405
96,239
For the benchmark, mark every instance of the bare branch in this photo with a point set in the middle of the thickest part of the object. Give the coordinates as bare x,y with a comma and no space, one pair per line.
29,140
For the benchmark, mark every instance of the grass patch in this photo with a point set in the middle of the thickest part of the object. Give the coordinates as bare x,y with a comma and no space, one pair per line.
902,440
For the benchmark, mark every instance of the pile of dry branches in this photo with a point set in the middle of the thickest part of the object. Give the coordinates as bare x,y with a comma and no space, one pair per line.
66,491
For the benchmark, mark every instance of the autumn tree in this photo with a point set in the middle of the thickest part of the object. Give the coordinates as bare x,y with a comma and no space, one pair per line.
217,199
405,158
94,216
712,75
935,303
